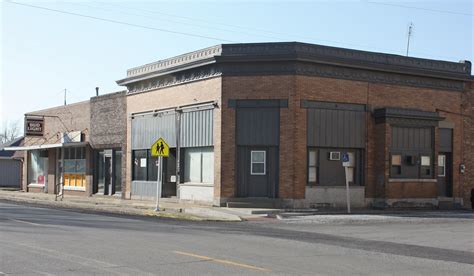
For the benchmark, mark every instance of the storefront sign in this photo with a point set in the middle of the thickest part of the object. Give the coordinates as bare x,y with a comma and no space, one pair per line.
34,127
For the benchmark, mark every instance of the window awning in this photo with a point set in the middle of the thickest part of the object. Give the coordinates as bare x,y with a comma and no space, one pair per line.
47,146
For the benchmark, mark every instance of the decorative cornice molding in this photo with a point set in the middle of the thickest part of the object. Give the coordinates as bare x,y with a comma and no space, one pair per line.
175,79
302,52
175,61
292,68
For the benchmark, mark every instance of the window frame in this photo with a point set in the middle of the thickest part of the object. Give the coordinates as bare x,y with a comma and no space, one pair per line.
258,162
315,166
444,165
422,168
201,151
399,175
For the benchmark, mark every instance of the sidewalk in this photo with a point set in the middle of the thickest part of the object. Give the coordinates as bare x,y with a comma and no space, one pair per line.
106,204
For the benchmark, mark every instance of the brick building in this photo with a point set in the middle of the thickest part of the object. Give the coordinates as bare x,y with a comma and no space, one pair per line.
276,118
269,124
76,149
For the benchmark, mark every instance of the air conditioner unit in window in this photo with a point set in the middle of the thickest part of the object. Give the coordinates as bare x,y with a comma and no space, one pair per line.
334,155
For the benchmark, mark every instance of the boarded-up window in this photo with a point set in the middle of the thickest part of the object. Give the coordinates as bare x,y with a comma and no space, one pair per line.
258,126
336,128
415,146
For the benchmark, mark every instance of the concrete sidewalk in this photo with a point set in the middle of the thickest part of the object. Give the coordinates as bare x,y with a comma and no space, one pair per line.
107,204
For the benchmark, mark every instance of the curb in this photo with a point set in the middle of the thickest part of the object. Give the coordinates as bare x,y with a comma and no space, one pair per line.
169,213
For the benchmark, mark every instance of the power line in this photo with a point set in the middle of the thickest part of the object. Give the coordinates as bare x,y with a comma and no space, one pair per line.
339,43
398,51
418,8
168,20
119,22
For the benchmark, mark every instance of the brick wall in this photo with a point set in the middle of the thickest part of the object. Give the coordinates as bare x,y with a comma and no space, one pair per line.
293,126
72,117
67,118
467,178
108,120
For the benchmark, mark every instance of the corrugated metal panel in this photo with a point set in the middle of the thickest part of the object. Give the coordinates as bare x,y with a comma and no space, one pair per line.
197,128
336,128
411,138
147,129
143,189
10,173
258,126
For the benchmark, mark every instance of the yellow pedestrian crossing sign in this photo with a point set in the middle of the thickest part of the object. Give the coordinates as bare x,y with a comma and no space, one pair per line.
160,148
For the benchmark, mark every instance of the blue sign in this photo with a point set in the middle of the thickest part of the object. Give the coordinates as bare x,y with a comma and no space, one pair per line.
345,157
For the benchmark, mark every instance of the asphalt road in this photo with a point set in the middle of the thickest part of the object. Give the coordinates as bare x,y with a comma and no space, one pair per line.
40,241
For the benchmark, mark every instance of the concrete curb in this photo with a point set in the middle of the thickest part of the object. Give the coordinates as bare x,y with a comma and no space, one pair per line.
200,214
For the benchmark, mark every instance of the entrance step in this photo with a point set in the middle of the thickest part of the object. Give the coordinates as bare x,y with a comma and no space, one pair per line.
446,203
269,203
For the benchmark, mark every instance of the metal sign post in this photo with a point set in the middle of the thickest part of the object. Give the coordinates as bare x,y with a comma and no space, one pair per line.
348,164
158,183
160,149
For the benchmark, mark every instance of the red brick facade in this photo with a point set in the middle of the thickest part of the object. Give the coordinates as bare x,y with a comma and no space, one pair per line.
293,161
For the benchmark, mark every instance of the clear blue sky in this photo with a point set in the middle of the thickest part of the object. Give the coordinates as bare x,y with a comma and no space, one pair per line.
43,52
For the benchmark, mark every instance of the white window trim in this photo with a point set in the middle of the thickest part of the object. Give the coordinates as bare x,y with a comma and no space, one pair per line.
264,162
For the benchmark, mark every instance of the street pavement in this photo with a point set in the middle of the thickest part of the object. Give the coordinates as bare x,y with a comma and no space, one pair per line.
42,241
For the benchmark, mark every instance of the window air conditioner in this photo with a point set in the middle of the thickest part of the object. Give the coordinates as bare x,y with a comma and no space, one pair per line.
334,155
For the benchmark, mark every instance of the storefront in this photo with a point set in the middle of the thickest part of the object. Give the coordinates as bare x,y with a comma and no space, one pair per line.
188,173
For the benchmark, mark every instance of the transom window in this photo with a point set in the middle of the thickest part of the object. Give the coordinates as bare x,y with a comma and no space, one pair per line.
257,162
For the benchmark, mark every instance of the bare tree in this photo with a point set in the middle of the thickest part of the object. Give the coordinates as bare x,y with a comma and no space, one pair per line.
9,131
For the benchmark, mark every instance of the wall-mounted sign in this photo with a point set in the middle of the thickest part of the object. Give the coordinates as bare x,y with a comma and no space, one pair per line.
34,127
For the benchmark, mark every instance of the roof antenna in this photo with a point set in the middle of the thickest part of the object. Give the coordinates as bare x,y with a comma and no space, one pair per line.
410,33
65,96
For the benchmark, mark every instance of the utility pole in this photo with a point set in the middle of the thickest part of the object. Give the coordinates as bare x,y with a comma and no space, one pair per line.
65,96
410,32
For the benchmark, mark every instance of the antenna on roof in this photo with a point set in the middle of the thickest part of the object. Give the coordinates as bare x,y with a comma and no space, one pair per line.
410,33
65,96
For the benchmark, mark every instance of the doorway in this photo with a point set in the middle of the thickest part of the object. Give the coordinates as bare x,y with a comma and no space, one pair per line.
257,172
108,172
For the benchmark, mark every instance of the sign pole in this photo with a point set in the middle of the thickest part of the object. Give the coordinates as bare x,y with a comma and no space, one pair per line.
159,149
158,170
348,196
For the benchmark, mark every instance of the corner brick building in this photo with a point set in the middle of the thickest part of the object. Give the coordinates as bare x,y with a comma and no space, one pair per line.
272,124
283,114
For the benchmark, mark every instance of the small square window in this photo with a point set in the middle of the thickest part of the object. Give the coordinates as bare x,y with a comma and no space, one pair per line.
258,163
425,161
396,160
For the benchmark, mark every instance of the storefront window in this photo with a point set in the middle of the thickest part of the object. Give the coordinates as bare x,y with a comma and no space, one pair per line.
199,165
139,165
38,167
75,167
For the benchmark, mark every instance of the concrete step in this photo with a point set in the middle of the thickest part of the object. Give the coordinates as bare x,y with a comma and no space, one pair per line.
269,205
254,202
446,203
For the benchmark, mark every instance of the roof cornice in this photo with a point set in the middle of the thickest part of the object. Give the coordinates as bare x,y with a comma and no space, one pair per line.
303,52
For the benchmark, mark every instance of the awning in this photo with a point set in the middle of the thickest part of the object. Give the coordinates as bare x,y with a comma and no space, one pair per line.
47,146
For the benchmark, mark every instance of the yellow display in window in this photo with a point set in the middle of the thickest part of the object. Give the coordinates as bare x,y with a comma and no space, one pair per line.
66,179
